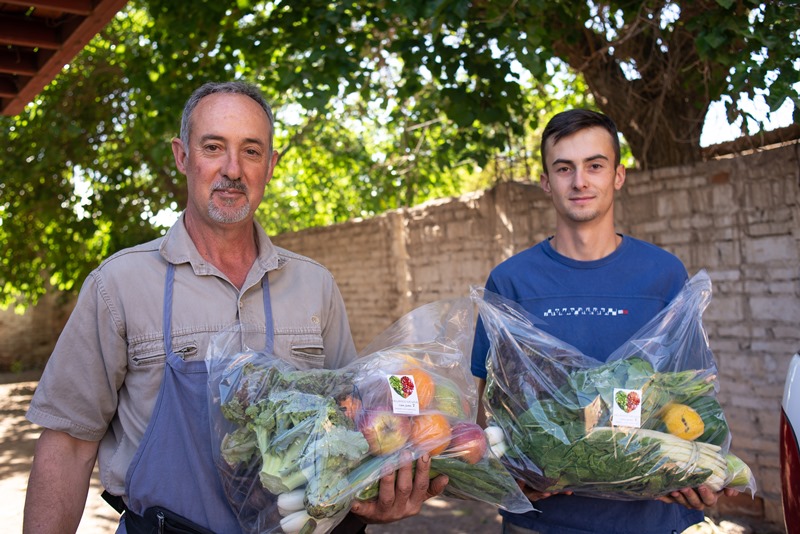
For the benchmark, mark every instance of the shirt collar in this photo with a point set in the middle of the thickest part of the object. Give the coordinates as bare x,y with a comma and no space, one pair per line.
177,247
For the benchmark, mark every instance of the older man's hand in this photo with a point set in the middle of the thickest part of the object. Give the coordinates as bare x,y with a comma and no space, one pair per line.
401,493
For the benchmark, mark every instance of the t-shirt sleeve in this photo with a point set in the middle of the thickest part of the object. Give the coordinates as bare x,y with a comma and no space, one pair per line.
480,345
678,280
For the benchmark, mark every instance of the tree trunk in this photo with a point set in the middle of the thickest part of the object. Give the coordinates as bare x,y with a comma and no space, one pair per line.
661,108
662,127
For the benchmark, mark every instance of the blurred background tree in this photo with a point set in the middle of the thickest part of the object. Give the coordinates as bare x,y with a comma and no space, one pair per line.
380,104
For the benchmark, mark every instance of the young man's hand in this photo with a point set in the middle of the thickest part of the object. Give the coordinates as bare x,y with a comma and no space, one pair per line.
697,498
534,495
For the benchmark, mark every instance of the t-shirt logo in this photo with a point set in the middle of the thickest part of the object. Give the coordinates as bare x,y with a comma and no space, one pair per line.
589,310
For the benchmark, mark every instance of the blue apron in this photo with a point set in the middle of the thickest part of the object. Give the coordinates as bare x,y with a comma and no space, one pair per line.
174,464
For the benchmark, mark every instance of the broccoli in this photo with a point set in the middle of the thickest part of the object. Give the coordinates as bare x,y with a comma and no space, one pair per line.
336,451
299,431
238,446
282,424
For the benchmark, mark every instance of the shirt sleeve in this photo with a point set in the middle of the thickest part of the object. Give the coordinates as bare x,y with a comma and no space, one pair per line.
336,335
77,393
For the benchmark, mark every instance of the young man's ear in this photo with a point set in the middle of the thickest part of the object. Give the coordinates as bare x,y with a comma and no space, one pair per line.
544,181
619,177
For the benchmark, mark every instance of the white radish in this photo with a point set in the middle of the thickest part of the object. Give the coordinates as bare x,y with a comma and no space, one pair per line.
499,449
291,502
494,435
294,523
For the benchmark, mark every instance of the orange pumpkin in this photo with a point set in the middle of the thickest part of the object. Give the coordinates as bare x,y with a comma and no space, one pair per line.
430,433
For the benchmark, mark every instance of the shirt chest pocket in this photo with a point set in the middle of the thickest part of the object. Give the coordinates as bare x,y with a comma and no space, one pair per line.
151,352
306,350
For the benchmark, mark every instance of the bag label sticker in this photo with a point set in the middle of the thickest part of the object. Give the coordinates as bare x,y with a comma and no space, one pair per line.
404,394
627,410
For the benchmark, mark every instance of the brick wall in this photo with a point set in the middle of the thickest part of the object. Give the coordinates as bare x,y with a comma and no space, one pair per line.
738,218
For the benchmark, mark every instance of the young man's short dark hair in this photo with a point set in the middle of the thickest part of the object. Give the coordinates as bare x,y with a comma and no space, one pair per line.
569,122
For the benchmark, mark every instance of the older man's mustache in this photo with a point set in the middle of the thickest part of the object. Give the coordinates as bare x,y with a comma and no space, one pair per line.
229,184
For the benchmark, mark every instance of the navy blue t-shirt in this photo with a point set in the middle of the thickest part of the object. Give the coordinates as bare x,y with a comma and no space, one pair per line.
596,306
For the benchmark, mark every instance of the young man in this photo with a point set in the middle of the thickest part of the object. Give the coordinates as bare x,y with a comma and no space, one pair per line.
127,382
586,264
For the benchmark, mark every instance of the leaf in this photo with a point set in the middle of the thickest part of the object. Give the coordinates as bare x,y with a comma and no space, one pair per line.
394,381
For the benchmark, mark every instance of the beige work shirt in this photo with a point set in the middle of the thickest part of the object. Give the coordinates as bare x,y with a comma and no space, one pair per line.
102,380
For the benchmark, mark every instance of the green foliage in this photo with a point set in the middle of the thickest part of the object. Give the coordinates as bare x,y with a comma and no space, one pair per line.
380,105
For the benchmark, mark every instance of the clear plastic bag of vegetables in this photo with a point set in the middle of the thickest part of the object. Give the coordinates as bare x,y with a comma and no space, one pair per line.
640,425
298,446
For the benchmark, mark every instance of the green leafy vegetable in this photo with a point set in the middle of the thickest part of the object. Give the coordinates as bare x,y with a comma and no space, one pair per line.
487,478
564,439
716,427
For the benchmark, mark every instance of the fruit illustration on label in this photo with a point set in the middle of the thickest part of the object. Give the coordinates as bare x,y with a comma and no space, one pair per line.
424,384
628,402
402,385
633,401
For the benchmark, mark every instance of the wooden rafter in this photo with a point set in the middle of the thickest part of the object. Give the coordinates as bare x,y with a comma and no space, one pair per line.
38,38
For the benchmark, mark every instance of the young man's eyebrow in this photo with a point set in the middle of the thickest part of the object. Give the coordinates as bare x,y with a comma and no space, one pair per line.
571,162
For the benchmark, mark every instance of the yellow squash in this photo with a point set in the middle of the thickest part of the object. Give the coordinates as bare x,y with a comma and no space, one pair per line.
682,421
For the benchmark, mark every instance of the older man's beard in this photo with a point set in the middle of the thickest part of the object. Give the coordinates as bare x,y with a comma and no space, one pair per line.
222,215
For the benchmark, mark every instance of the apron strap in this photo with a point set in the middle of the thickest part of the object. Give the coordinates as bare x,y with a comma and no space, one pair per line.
270,338
167,316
